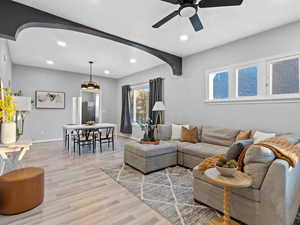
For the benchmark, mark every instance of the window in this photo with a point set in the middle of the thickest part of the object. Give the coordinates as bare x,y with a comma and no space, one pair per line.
264,80
285,76
140,103
247,81
219,84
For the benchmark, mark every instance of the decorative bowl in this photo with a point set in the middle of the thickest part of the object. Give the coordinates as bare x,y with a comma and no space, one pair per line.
226,172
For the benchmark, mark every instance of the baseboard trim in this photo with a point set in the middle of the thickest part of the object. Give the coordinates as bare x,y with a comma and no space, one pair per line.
47,140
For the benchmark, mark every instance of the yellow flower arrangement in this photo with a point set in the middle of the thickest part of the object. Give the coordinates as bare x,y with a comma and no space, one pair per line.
7,107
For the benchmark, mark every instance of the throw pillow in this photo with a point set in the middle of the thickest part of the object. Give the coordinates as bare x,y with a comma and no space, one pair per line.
236,148
189,135
243,135
176,131
234,151
259,154
261,136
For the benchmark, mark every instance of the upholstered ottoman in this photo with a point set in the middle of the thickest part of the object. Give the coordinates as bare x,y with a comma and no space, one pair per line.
149,158
21,190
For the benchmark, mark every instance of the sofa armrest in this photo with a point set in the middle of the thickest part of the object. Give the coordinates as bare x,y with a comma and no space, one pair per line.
280,196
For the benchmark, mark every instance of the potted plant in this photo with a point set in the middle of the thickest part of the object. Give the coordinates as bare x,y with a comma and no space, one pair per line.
7,114
148,127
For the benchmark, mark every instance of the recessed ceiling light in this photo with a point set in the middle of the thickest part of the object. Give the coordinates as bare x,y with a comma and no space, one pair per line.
61,43
132,60
106,71
49,62
184,37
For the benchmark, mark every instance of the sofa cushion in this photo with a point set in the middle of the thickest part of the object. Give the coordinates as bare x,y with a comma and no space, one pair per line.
180,144
164,132
203,150
248,193
218,136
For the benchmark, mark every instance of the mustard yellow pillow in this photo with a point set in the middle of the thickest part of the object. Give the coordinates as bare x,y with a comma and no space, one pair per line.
189,135
243,135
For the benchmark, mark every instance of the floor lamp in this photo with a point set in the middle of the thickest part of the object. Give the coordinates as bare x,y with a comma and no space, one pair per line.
159,107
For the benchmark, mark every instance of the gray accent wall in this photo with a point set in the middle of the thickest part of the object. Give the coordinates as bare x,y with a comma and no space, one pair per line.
46,124
184,96
5,63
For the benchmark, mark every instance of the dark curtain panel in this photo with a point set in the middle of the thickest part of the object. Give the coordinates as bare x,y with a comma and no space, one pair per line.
156,94
125,118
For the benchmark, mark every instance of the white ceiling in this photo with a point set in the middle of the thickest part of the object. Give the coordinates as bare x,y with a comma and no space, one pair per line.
132,19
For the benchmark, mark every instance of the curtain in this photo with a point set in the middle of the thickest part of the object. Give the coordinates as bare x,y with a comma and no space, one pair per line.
156,94
125,117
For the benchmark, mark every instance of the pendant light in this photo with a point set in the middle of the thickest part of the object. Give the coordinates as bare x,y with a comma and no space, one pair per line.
90,85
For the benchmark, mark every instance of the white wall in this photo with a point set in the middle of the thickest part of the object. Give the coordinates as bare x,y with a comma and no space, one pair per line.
5,63
184,96
45,124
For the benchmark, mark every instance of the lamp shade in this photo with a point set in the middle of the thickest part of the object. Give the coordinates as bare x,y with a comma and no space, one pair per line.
159,106
22,103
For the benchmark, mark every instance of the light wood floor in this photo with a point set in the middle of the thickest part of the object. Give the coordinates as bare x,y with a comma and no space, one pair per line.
77,192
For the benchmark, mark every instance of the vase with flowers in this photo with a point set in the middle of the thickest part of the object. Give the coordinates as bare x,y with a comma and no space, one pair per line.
7,114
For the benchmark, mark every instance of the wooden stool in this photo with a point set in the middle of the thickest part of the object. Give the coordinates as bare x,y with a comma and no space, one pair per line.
21,190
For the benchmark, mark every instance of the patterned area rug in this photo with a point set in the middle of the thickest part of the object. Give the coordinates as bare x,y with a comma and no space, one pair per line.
168,191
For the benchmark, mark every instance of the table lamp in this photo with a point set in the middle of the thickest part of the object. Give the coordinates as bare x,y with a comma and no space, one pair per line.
159,107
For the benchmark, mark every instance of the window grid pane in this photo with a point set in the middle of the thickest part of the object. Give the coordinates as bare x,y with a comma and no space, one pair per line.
285,77
247,81
221,85
141,104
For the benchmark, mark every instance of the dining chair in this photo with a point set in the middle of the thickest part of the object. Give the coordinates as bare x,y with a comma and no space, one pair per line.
68,136
106,135
84,138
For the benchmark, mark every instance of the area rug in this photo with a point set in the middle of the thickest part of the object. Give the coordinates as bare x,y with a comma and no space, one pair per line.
168,191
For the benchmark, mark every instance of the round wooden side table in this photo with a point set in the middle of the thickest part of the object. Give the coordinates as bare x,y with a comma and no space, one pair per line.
240,180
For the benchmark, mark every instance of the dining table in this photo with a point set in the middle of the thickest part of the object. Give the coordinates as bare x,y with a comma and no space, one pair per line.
68,128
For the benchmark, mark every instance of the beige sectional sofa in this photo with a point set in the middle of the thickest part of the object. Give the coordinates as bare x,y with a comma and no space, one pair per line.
274,197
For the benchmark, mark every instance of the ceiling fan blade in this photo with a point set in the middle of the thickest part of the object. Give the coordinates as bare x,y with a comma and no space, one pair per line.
166,19
175,2
219,3
196,22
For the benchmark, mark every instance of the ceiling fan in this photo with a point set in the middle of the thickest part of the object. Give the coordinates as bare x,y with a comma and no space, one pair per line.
189,9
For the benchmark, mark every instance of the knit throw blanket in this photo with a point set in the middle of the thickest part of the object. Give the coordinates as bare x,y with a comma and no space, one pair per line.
282,149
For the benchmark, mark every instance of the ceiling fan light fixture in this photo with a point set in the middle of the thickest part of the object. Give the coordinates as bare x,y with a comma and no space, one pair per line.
188,11
184,37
